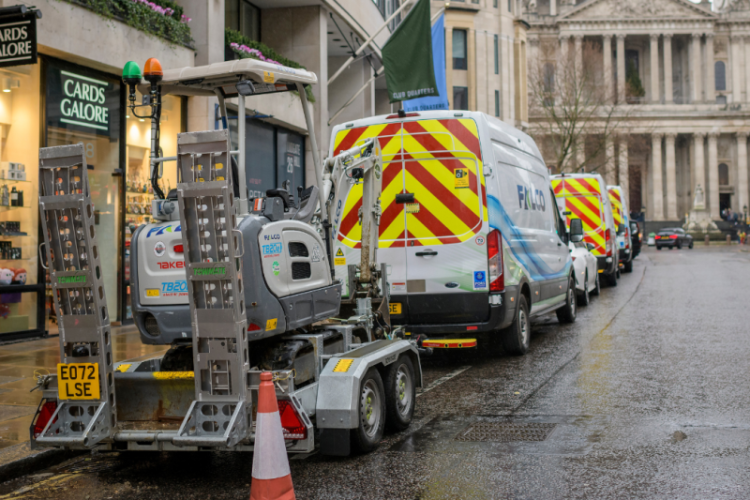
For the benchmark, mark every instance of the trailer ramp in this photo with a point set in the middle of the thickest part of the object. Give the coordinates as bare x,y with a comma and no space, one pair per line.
221,413
86,413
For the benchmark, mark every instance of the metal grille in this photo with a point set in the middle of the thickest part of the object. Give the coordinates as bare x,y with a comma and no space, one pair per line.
504,432
297,249
301,270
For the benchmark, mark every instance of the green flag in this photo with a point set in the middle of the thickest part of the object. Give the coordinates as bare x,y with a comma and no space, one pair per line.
407,57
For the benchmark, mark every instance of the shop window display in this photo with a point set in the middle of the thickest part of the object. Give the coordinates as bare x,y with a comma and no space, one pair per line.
19,146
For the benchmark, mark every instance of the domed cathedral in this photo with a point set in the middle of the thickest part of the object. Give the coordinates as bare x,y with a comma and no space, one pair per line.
652,94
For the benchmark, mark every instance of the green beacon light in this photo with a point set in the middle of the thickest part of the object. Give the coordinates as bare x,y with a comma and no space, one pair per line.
131,75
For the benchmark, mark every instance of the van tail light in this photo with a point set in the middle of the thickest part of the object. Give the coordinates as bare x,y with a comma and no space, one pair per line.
495,261
291,424
45,414
608,236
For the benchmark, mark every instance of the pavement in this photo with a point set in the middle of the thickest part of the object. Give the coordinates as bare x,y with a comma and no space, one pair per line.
20,362
646,396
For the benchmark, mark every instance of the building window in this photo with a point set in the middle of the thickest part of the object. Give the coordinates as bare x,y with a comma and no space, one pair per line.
723,174
720,78
510,7
242,16
494,3
461,98
721,99
459,49
548,75
497,103
497,58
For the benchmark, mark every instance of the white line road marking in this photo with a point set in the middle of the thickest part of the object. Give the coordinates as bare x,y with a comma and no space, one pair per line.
443,379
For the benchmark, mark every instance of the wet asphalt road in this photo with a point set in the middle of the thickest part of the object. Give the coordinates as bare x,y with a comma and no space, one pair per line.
647,395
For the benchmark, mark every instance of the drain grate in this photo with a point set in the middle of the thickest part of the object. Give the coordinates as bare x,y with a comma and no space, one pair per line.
503,432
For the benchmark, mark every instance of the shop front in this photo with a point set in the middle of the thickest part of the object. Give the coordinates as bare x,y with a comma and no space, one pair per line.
53,103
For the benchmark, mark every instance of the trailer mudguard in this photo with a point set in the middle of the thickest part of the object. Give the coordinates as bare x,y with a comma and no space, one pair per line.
338,392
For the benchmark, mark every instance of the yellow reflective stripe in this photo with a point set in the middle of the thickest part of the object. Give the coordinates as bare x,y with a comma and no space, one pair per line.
428,201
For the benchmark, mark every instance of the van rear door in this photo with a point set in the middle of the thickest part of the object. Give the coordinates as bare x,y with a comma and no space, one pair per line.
392,240
581,199
446,244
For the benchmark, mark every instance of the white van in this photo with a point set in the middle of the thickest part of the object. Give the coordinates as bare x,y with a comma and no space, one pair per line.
470,231
622,223
585,197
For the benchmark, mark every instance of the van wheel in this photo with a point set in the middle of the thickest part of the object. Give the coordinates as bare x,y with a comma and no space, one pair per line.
628,267
516,337
612,279
597,286
585,299
690,246
369,432
400,394
567,313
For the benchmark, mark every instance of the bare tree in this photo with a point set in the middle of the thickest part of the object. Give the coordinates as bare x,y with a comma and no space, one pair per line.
572,111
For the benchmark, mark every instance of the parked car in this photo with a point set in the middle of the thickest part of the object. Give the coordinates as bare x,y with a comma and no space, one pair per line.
622,223
585,197
470,232
636,238
587,277
673,238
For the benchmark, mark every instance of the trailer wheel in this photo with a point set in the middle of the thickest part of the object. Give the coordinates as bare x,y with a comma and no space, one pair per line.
369,432
400,393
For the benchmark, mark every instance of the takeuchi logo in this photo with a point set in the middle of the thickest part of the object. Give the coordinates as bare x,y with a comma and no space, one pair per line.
159,230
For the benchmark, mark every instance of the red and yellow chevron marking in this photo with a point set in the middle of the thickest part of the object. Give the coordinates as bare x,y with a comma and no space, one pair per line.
582,199
614,198
421,157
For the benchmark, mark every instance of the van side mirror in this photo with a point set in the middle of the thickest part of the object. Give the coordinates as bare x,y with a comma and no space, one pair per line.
590,247
621,229
633,227
576,230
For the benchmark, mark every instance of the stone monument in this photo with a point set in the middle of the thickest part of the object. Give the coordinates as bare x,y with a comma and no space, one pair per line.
699,222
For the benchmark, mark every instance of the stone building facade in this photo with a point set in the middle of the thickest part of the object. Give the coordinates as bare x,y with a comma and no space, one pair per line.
485,50
687,131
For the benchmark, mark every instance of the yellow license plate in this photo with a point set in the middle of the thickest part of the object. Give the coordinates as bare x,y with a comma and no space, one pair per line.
78,381
394,308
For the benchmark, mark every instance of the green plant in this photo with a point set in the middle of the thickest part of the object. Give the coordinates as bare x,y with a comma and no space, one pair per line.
634,85
235,37
142,17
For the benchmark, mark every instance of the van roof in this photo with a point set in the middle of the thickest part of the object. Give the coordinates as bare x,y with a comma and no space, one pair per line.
499,130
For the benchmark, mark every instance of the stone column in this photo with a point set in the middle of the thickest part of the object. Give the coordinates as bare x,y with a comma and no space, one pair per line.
623,178
747,71
668,92
580,152
620,69
534,65
471,66
710,76
610,173
578,39
736,57
609,92
699,164
713,174
742,187
671,176
657,200
654,56
696,70
449,64
552,7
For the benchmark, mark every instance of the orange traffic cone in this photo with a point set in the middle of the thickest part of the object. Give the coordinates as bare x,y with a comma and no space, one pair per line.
272,479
